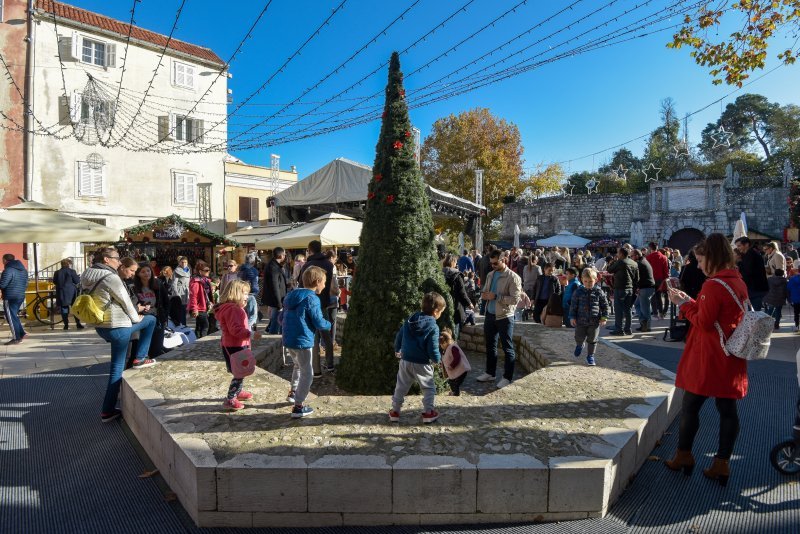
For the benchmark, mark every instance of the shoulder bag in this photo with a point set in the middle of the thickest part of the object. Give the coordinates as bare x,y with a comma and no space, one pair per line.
750,340
243,363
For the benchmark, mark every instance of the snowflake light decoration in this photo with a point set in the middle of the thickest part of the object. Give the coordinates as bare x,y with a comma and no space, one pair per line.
650,170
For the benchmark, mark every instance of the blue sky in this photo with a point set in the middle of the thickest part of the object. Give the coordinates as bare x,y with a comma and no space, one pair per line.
564,110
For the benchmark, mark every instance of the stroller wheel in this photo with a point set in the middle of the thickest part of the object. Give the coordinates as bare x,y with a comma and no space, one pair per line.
784,458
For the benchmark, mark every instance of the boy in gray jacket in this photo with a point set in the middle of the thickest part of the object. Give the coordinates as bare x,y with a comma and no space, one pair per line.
417,345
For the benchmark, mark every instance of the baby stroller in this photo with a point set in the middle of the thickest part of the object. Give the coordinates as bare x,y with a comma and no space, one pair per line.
785,456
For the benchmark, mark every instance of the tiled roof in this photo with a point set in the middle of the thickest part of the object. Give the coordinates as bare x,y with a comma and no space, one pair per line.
108,24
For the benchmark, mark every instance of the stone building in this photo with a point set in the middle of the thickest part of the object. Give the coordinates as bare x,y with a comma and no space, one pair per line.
676,212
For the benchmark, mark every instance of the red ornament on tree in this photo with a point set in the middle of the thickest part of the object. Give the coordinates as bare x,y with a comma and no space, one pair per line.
383,116
402,93
408,134
397,145
371,195
378,177
389,199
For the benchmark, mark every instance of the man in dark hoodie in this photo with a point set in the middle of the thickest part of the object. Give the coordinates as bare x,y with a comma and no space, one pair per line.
417,345
13,283
249,273
316,258
646,287
626,279
753,272
275,285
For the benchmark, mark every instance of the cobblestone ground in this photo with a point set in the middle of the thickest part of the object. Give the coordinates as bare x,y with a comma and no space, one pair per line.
533,415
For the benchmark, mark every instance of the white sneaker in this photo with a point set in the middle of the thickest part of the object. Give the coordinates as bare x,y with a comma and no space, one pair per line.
503,383
485,377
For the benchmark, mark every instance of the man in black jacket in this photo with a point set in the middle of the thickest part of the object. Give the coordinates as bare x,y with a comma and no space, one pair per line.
646,287
626,279
753,272
318,259
274,288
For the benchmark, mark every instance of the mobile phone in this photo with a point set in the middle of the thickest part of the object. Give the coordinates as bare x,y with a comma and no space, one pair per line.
670,284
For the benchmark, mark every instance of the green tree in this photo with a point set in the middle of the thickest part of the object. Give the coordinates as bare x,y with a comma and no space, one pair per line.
397,261
734,57
660,149
545,180
474,139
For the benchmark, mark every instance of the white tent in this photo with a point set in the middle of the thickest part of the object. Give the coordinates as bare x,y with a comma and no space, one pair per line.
563,239
342,181
249,235
332,230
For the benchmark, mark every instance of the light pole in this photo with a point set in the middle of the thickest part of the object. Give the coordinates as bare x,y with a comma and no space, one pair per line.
479,201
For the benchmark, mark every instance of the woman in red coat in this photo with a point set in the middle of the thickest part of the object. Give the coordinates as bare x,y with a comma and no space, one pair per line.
704,370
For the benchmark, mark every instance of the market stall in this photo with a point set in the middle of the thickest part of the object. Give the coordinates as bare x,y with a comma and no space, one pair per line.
167,238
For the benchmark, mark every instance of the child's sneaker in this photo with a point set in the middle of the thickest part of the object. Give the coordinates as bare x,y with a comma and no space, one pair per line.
107,417
146,362
394,417
590,360
485,377
578,350
244,396
430,417
290,396
232,404
301,411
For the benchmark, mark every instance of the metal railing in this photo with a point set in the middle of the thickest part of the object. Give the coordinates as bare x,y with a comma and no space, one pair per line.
46,273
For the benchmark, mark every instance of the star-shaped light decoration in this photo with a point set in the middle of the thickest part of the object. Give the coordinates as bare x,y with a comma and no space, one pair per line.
567,188
592,185
681,150
649,170
721,137
620,173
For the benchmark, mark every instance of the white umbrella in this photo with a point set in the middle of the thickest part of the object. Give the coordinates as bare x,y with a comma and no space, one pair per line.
32,222
332,230
516,236
563,239
739,230
743,218
460,242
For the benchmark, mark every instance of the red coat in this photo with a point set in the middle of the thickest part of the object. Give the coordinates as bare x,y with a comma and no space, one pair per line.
198,300
660,265
704,369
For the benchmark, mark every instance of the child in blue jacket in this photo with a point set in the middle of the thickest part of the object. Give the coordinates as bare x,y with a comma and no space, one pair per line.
302,316
566,300
417,344
793,289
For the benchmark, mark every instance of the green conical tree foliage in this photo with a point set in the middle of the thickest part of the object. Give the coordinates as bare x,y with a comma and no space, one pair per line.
397,260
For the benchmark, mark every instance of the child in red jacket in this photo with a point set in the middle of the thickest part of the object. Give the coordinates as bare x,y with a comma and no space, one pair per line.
200,299
235,335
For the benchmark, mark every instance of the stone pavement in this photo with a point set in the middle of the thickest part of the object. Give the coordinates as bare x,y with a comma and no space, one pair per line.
61,470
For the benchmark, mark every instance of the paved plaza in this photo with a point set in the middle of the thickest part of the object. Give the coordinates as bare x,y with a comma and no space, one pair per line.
61,470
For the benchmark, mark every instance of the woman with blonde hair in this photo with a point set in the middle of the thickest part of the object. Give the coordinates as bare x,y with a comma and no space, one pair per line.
774,258
704,369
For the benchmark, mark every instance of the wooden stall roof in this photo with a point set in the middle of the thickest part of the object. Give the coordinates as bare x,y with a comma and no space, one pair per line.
173,219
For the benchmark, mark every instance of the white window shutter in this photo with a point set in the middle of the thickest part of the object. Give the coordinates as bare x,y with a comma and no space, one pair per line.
76,46
189,76
179,188
199,130
85,181
75,107
191,188
97,181
111,55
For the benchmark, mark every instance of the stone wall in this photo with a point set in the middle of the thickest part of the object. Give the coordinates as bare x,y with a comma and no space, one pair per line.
708,206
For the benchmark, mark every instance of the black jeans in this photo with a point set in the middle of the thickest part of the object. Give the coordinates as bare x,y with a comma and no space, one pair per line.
796,307
690,423
455,383
504,329
201,324
538,308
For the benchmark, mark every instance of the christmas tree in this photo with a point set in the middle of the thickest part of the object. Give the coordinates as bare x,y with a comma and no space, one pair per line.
397,260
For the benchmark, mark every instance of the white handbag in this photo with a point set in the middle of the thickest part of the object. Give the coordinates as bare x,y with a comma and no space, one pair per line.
750,340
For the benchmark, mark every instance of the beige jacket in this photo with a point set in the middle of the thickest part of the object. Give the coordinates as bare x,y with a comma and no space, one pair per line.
111,296
509,291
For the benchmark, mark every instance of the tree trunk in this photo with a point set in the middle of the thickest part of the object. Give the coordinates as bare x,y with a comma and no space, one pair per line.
759,138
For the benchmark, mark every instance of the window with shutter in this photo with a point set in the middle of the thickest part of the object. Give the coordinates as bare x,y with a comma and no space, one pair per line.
91,182
254,209
93,52
183,75
244,208
185,188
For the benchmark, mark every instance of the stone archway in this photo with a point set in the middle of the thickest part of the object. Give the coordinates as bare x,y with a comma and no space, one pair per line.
685,238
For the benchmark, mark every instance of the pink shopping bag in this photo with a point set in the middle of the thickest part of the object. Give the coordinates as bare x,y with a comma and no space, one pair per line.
243,363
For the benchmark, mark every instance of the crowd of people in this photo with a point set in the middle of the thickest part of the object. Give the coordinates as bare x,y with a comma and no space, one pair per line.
300,296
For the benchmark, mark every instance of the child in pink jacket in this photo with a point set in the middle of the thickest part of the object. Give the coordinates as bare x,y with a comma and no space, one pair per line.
235,336
454,361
